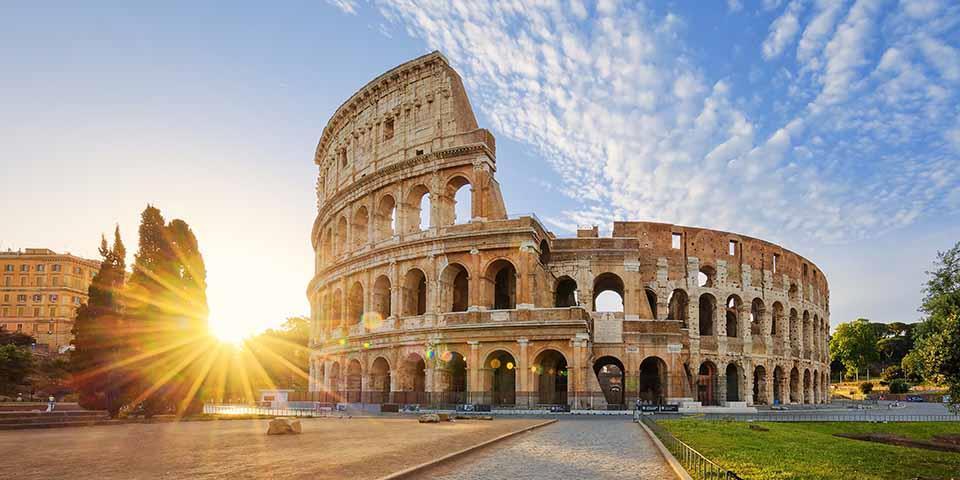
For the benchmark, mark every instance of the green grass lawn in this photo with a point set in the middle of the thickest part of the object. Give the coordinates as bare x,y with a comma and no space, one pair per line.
810,451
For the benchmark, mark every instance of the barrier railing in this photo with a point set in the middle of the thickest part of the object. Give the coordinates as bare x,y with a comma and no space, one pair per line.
497,400
698,466
831,417
230,409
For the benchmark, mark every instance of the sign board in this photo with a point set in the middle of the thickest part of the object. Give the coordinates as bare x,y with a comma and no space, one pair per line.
669,408
674,348
607,328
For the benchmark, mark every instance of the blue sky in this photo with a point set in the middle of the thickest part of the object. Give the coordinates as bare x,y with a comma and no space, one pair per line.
830,127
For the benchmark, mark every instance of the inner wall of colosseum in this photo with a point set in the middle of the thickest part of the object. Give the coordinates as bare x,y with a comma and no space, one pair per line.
427,292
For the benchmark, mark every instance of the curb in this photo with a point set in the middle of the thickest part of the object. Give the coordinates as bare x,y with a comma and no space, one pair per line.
671,460
407,473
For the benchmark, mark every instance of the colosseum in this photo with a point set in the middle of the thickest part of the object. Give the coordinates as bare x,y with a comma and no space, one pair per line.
428,292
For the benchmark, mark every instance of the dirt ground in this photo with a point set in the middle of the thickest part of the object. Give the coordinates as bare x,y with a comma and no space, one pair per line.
329,448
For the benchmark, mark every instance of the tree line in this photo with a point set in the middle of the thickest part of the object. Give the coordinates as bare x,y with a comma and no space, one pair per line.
926,351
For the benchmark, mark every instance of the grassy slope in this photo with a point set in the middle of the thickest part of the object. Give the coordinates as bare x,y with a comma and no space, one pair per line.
810,451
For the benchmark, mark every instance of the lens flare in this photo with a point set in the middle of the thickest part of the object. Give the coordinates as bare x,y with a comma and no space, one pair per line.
495,363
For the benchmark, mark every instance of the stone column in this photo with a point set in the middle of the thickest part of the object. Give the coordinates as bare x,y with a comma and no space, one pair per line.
747,388
473,367
523,372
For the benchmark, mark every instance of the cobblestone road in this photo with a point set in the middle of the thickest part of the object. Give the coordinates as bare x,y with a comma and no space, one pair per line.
596,448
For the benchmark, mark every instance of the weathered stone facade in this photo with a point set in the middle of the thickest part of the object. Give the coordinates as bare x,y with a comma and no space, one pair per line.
496,309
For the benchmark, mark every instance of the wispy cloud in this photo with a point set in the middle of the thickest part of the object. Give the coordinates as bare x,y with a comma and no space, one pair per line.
347,6
783,30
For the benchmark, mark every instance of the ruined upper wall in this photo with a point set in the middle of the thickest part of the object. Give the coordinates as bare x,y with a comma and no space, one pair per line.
412,110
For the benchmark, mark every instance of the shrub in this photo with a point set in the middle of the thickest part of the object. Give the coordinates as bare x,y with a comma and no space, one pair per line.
892,372
899,385
866,388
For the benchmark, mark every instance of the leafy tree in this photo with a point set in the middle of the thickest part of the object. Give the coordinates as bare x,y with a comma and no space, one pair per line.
98,333
15,364
855,344
19,339
51,374
895,342
283,353
866,388
938,336
899,385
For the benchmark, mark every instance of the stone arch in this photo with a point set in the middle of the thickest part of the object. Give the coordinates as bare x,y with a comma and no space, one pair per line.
653,384
708,305
776,320
793,293
707,376
794,330
544,256
778,384
355,304
757,310
452,377
500,372
760,394
679,304
816,387
707,276
416,220
733,374
566,292
360,226
341,244
807,386
336,309
412,377
335,379
382,297
733,306
608,282
386,218
550,369
652,301
501,277
455,288
611,375
805,333
458,191
414,292
380,380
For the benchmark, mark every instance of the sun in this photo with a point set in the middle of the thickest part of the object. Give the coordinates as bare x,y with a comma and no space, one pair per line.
226,332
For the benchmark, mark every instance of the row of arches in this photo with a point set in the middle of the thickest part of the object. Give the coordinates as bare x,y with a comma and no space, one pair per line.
420,210
797,386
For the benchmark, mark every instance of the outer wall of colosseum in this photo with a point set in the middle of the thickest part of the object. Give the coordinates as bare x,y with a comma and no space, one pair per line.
413,304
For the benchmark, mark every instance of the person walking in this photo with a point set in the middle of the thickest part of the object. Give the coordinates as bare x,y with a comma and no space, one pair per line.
51,403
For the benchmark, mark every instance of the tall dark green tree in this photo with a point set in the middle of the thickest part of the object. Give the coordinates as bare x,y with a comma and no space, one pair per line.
167,312
855,345
937,351
98,333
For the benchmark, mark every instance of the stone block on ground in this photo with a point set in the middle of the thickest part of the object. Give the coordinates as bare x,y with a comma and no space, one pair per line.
444,417
282,426
429,418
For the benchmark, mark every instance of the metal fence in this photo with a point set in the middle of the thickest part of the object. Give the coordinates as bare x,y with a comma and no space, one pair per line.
698,466
228,409
830,417
496,400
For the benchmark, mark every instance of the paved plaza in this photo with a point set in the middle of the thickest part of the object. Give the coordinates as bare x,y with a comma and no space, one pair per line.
595,448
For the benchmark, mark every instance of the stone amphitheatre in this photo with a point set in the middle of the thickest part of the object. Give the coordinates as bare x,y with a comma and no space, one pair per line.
414,304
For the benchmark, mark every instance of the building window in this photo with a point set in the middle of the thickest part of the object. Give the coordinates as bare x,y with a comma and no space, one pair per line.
676,241
54,298
776,260
6,297
6,312
388,129
19,311
8,267
55,267
24,268
19,327
53,311
36,311
21,299
7,281
732,248
37,298
39,281
23,281
56,281
76,300
50,328
41,267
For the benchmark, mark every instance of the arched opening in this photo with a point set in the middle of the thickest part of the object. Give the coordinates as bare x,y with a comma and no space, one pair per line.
336,386
708,305
503,276
733,316
501,371
652,301
550,367
336,308
452,377
386,223
777,385
412,379
355,304
459,192
354,381
776,320
455,285
760,386
320,374
706,277
805,333
566,293
381,297
414,293
795,395
544,252
794,292
679,305
816,387
733,382
807,386
380,381
653,380
608,293
326,247
611,376
419,204
707,384
342,236
756,317
361,225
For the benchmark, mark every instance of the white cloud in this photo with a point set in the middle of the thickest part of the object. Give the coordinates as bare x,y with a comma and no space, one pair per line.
845,54
346,6
815,34
783,30
734,5
921,9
